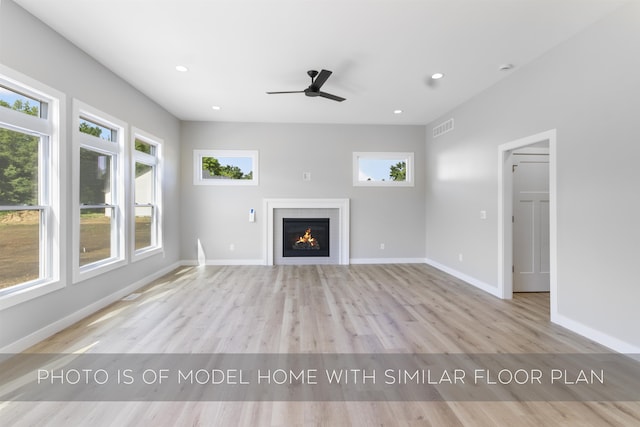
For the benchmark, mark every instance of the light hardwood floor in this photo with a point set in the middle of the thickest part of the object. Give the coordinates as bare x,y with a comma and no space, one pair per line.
408,308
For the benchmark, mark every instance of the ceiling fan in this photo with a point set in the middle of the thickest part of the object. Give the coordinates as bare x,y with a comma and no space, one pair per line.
317,80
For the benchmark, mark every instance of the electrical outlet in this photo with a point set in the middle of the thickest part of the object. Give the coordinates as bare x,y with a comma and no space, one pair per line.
381,246
460,257
232,247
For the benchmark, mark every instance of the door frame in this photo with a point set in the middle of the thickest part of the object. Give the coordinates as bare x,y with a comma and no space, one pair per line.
505,212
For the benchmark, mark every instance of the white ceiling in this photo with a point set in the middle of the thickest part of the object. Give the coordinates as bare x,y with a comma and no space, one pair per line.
382,52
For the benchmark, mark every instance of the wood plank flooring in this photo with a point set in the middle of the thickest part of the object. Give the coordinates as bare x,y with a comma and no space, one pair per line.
408,308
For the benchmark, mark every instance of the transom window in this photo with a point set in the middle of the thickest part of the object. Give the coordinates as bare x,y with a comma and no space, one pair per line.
17,101
98,130
383,169
225,167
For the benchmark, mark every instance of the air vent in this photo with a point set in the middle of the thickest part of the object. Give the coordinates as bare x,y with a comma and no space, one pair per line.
443,128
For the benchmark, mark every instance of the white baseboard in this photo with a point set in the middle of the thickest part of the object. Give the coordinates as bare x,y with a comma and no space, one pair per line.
34,338
577,327
351,261
228,262
595,335
493,290
387,261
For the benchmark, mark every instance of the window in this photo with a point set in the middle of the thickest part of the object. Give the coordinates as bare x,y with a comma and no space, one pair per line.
225,167
29,189
388,169
99,191
17,101
146,194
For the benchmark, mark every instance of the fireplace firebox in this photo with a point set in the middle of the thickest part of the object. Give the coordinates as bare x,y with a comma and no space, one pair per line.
305,237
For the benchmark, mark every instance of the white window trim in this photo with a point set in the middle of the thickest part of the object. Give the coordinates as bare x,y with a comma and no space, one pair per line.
197,167
407,157
81,140
156,160
52,126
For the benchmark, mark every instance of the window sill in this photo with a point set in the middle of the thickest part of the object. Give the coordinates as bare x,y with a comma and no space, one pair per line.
145,253
29,293
93,270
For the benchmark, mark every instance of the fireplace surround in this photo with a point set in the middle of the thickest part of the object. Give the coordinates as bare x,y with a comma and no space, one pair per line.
335,209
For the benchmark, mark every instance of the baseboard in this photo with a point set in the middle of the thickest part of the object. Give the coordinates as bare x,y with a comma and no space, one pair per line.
606,340
600,337
40,335
387,261
493,290
233,262
351,261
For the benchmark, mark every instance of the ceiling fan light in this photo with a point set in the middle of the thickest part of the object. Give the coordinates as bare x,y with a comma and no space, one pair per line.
437,76
181,68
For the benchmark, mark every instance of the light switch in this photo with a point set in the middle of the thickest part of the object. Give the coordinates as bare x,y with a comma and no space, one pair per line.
306,176
483,214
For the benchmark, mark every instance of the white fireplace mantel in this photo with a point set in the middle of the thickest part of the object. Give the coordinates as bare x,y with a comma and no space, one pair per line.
342,205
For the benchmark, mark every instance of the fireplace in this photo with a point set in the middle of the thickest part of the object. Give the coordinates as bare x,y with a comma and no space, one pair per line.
305,237
337,210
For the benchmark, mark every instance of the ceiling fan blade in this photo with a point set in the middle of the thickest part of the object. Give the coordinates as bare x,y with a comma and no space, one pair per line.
288,91
320,79
330,96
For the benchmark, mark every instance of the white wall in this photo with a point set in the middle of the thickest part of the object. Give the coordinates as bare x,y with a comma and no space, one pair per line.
218,216
588,89
31,48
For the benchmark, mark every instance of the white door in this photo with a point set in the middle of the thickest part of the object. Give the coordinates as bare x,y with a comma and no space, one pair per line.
531,223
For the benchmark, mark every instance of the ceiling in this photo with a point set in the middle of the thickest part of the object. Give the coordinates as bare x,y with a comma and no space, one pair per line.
382,52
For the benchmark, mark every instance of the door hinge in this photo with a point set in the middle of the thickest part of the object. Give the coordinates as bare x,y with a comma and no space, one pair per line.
513,168
513,268
513,218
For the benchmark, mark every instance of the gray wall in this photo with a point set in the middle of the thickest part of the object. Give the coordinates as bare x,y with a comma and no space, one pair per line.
33,49
218,216
588,89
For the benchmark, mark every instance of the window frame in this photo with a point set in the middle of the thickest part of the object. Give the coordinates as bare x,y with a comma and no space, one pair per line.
154,160
405,156
115,148
50,199
198,155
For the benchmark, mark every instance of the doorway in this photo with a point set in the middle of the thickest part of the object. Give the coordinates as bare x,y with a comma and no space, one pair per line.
506,212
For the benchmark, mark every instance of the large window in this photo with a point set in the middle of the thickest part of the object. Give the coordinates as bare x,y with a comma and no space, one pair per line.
146,194
99,192
29,202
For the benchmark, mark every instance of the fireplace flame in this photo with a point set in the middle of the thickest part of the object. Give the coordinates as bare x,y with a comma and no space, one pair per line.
307,238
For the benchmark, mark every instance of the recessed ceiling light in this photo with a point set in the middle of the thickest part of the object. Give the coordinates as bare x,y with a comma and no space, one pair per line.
436,76
397,111
505,67
181,68
215,107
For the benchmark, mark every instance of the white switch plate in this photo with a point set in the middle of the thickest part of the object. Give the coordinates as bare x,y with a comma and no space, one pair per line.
483,214
306,176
